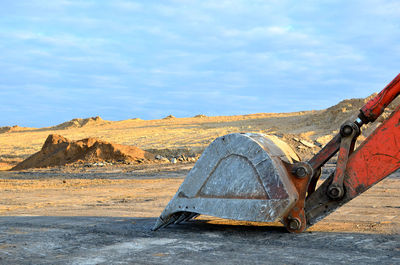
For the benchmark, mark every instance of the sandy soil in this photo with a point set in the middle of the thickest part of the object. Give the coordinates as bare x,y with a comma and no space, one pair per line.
55,215
144,192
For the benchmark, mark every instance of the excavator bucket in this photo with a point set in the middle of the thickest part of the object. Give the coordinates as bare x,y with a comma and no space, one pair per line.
240,176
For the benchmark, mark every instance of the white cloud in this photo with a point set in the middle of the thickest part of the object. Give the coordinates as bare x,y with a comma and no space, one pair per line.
55,5
126,5
60,39
276,34
384,8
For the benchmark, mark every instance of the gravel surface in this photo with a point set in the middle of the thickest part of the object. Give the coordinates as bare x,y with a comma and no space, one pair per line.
96,240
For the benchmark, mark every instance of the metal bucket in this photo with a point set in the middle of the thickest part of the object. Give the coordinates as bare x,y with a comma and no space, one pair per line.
239,176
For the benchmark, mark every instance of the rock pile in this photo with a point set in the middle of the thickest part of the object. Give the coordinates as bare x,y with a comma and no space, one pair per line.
58,151
176,155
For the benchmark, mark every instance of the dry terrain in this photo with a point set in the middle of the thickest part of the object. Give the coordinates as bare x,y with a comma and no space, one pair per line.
132,192
315,127
101,212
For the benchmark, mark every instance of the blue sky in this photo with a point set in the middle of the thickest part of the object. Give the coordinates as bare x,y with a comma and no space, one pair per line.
125,59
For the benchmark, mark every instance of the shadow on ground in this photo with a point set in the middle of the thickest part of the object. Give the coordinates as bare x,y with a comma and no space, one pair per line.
105,240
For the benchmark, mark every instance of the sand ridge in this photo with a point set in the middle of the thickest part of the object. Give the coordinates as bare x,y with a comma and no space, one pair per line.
78,123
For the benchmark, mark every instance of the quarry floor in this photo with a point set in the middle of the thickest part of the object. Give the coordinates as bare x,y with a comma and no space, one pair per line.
104,215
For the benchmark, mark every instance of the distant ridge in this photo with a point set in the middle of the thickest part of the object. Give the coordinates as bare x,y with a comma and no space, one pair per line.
15,128
78,123
169,117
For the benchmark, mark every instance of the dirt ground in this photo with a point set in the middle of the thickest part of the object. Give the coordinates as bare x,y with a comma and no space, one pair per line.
102,213
130,192
104,216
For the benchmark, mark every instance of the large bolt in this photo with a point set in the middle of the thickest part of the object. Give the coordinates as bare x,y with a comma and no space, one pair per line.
301,172
294,224
347,130
335,192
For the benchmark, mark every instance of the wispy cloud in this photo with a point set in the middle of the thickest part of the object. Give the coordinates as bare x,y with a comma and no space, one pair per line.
59,39
128,6
190,57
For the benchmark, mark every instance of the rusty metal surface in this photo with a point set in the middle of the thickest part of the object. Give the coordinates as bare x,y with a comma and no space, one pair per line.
375,107
375,159
239,176
295,220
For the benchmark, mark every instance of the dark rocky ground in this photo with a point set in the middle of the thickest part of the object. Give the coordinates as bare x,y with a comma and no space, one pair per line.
96,240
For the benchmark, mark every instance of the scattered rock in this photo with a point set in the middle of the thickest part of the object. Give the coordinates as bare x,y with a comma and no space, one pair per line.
173,160
186,152
200,116
318,144
58,151
323,140
308,144
161,158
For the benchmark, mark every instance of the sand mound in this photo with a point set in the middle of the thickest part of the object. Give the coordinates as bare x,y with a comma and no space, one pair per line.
332,118
5,129
169,117
78,123
14,128
58,151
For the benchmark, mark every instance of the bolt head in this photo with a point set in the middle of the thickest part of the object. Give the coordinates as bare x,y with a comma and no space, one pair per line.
301,172
335,192
294,224
347,130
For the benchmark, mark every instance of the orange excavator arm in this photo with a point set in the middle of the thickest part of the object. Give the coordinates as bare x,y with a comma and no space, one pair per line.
376,158
356,170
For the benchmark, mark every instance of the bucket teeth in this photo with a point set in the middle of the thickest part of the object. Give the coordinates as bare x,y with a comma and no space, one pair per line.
159,223
164,223
170,221
175,219
186,217
192,215
182,217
